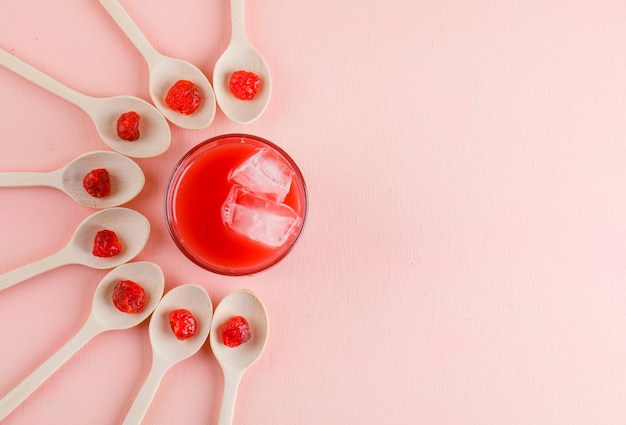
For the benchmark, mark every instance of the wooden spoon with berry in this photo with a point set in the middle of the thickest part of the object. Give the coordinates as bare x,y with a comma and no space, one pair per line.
178,88
151,134
178,328
103,240
238,337
241,77
100,179
108,312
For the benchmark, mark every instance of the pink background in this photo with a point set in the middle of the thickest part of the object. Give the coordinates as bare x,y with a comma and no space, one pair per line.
464,256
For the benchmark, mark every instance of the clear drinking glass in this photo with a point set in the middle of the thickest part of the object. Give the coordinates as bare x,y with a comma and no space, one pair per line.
236,204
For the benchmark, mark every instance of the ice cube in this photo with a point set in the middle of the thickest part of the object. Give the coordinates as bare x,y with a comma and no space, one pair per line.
259,218
264,173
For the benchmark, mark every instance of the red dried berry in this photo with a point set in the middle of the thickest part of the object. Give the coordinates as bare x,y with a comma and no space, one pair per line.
184,97
97,183
183,323
244,85
236,331
129,296
106,244
128,126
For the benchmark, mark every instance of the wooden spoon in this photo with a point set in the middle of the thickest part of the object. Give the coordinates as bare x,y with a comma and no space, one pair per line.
131,227
164,72
236,360
167,350
104,316
241,56
154,130
127,179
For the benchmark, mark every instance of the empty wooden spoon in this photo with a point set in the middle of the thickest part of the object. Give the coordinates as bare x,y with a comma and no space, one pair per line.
155,135
104,316
127,178
131,227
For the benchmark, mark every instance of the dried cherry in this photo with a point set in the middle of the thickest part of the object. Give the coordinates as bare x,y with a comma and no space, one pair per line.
97,183
236,332
183,323
106,244
128,126
129,296
184,97
244,85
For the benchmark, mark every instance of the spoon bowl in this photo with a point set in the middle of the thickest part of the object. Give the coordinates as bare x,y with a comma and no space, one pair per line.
164,72
241,55
167,350
236,360
104,316
154,131
155,135
127,179
148,275
132,228
164,343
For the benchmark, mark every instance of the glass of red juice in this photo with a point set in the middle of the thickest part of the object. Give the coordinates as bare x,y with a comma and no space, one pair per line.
236,204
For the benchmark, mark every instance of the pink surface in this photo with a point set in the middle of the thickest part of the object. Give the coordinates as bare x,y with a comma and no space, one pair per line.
463,259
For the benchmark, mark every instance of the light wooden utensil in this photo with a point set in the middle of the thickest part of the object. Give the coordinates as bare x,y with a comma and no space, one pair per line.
131,227
236,360
241,55
167,350
104,316
164,72
104,111
127,179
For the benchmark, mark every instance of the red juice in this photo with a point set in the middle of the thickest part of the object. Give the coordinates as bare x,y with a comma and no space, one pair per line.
196,193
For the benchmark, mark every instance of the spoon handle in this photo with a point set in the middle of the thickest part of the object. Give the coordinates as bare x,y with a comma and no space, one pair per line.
148,390
43,80
35,268
28,179
227,410
132,31
21,392
237,16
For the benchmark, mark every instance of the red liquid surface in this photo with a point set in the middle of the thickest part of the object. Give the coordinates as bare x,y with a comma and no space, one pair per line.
198,195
